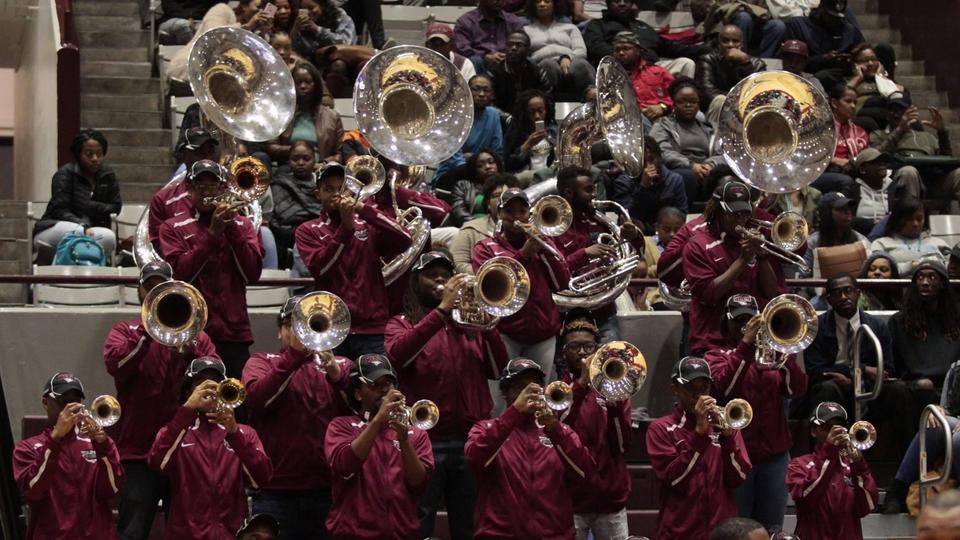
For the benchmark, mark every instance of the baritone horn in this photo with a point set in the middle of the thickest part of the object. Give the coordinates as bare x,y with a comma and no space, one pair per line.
789,325
104,412
499,289
173,313
737,414
617,370
423,415
321,322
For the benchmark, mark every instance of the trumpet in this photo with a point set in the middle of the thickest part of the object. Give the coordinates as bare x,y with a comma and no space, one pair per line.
557,397
248,179
788,232
173,313
737,414
617,370
551,216
321,322
230,394
789,326
860,437
424,415
104,412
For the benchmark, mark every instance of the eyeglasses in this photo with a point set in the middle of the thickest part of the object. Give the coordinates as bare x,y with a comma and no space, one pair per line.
587,347
841,292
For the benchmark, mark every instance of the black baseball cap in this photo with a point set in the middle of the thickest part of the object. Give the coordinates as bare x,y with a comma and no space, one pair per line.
826,411
370,367
156,269
511,194
331,169
199,365
837,8
517,366
741,304
835,199
691,368
259,519
735,197
899,102
432,257
194,138
206,166
61,383
287,310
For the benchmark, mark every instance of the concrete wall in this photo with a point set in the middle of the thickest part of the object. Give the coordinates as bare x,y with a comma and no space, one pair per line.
35,98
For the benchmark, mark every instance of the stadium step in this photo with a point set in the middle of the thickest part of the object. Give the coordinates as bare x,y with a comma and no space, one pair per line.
139,192
118,85
108,22
137,137
115,69
128,173
161,155
125,7
113,54
119,118
130,102
15,252
97,38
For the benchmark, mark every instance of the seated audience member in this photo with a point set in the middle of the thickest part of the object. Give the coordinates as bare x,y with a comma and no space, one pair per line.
323,24
656,187
281,42
905,137
526,462
367,16
259,527
794,55
669,220
285,17
906,235
687,143
517,73
557,47
208,457
621,16
761,33
833,490
873,87
738,528
851,140
836,213
342,250
738,375
873,186
830,36
720,260
940,518
465,195
531,137
483,226
722,69
697,464
293,187
250,15
880,266
650,81
73,460
83,194
481,34
804,201
953,263
486,131
440,39
181,19
220,15
376,461
312,121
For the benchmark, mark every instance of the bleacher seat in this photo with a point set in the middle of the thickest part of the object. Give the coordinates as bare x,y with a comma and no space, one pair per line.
125,223
564,108
946,227
65,294
259,296
447,14
128,293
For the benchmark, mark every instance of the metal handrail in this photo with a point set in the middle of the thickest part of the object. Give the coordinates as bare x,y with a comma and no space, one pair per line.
860,398
925,479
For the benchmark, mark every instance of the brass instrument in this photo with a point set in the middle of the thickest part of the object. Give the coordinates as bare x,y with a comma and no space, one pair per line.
499,289
230,394
173,313
321,322
558,396
737,414
776,131
551,216
104,412
860,437
789,325
248,179
676,298
423,415
617,370
788,232
935,413
369,172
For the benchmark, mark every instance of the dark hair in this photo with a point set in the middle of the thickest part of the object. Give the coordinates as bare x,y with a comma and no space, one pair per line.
736,528
567,178
650,146
887,298
670,211
832,280
317,97
330,18
82,137
481,76
859,48
294,8
413,309
838,90
903,209
680,83
495,181
915,311
894,270
520,114
559,9
520,33
828,231
302,142
472,163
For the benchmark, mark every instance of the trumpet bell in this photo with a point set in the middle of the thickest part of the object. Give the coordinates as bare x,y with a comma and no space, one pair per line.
249,178
862,435
105,410
552,215
173,313
502,286
231,393
738,413
321,321
789,324
413,105
424,414
617,370
369,172
558,396
776,131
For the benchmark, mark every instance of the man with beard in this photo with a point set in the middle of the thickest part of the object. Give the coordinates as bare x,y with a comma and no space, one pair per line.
517,73
481,34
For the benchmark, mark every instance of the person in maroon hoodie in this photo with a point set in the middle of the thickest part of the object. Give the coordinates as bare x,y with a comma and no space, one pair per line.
697,466
579,243
832,492
526,462
343,249
736,374
719,260
379,466
219,253
68,475
147,376
604,428
289,393
209,458
449,365
532,331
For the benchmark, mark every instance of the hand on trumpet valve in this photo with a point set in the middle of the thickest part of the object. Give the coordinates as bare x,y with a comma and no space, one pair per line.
751,244
223,214
203,398
532,246
347,207
69,417
751,329
450,291
709,414
223,416
530,399
391,412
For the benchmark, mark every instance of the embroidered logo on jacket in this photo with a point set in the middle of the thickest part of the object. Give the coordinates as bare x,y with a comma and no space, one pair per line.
544,440
89,455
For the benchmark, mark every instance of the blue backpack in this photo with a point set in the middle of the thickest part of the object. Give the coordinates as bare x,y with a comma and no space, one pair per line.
79,250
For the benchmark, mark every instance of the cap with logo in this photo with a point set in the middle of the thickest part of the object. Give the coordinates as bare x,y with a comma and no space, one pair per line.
794,46
440,31
206,166
204,363
61,383
432,257
835,199
256,520
370,367
827,411
156,269
735,197
517,366
288,307
331,169
511,194
194,138
691,368
741,304
869,155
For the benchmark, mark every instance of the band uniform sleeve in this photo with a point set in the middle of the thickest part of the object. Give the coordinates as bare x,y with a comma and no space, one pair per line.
404,343
109,470
421,443
155,219
320,251
495,353
619,426
187,260
434,210
342,460
558,273
728,368
244,241
126,345
388,236
481,254
866,494
34,465
673,462
265,376
577,461
584,418
700,273
488,436
670,265
736,462
257,467
163,453
794,378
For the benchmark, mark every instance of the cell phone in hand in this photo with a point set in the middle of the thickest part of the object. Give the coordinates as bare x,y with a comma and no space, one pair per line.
270,10
303,13
539,125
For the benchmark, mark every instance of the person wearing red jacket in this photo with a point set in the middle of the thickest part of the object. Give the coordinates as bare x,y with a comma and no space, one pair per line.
147,377
378,464
70,472
579,242
219,253
532,331
524,471
719,260
832,491
697,466
449,365
604,427
736,374
650,81
343,249
288,392
209,458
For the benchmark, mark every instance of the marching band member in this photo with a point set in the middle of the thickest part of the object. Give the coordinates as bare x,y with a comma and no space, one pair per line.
219,253
259,527
379,465
604,427
579,243
288,393
832,490
209,458
697,466
343,249
736,374
719,260
524,471
450,366
70,472
147,376
532,331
